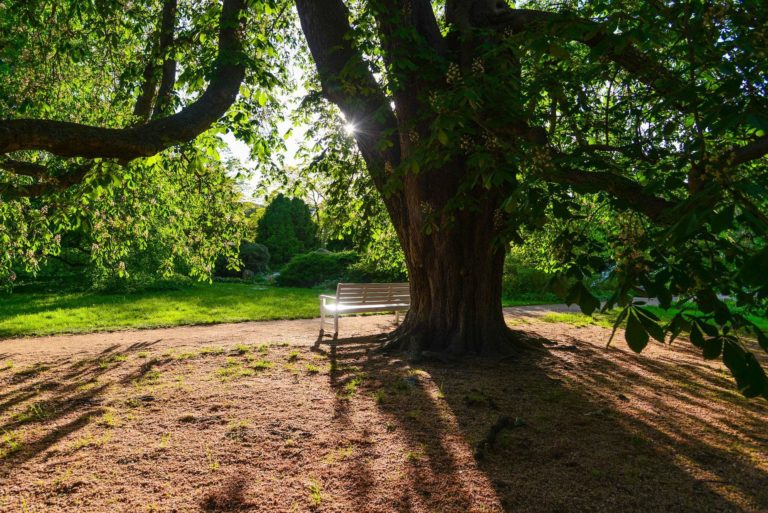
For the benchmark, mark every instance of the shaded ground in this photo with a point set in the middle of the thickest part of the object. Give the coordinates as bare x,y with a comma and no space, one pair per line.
252,417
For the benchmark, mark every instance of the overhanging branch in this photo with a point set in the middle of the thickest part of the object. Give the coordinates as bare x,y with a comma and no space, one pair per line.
591,33
76,140
756,149
59,183
22,168
620,187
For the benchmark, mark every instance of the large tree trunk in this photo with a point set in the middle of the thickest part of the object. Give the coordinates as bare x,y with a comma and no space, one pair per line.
455,263
456,295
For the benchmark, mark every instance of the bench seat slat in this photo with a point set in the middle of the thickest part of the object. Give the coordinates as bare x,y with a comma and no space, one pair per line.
373,307
354,298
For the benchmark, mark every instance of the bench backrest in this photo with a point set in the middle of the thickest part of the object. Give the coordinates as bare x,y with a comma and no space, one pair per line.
373,293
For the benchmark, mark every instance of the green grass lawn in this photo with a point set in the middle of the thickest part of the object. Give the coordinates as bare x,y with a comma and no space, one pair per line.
27,313
46,314
507,302
607,319
81,312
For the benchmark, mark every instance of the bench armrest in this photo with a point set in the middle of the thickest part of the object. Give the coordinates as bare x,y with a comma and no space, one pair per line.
325,297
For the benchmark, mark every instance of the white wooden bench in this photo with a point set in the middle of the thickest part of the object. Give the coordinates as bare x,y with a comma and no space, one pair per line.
353,298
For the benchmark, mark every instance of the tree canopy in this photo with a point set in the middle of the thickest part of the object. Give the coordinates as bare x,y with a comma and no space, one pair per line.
634,133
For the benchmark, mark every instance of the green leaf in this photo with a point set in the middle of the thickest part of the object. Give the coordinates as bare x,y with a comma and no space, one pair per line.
712,348
755,269
722,220
651,323
750,377
762,338
580,295
697,336
635,334
677,325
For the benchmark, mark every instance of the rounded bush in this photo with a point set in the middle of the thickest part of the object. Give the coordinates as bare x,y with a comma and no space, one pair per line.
520,278
311,269
255,257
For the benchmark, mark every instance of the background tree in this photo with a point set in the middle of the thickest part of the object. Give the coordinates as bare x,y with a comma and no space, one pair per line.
166,221
331,173
286,228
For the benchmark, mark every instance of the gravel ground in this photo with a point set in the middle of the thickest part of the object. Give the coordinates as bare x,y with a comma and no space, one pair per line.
256,417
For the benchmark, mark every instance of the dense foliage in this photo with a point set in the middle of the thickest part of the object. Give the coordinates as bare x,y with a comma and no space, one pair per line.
252,258
123,223
157,220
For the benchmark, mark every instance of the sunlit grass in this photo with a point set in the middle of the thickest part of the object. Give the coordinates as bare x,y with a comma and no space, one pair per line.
607,319
46,314
579,319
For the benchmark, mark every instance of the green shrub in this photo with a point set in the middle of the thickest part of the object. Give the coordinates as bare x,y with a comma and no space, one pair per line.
286,228
369,271
522,279
140,282
382,261
255,257
318,267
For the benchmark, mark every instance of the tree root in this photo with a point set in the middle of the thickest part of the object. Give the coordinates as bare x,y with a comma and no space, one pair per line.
410,341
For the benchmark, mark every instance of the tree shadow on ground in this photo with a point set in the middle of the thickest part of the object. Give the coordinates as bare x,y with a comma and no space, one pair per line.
589,429
63,396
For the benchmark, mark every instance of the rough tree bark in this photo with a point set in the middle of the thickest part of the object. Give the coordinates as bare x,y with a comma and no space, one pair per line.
455,277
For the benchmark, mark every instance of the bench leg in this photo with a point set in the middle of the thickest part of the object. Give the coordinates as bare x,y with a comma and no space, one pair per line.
397,317
336,326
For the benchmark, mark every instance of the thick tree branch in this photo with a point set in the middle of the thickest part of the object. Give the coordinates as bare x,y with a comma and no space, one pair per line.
77,140
411,40
348,82
19,167
756,149
418,14
497,15
629,150
59,183
168,80
621,188
658,209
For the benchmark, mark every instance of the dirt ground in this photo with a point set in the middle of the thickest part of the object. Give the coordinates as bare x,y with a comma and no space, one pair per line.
257,417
